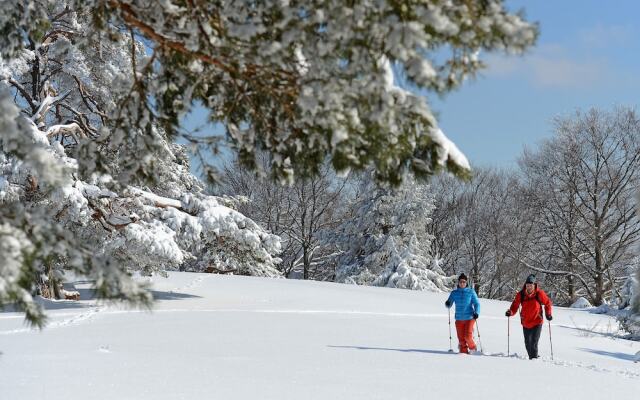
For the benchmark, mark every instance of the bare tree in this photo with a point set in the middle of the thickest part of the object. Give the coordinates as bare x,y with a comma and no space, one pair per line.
445,247
472,224
550,177
583,181
302,214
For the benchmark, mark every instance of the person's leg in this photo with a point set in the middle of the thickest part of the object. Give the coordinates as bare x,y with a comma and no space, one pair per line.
469,334
535,337
462,342
527,340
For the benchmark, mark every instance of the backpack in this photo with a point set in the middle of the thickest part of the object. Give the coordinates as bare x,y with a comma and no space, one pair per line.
522,297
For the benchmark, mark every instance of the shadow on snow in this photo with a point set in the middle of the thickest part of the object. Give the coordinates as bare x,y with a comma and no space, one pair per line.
90,294
621,356
158,295
428,351
390,349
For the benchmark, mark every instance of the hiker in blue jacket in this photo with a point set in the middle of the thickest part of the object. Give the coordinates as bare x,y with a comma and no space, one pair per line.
467,311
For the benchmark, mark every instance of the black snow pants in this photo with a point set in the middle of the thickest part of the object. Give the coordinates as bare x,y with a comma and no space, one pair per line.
531,338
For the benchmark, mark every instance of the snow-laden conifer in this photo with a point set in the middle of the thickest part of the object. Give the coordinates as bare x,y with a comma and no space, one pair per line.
386,242
110,80
56,217
630,320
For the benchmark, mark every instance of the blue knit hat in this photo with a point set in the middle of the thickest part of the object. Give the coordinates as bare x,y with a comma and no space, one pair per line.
531,279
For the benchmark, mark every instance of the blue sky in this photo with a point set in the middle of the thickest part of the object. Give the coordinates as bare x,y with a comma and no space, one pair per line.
587,55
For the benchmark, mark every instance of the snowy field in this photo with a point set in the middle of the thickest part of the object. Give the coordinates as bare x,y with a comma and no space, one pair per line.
225,337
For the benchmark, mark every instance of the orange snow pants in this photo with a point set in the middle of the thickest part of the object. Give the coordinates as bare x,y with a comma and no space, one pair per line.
465,335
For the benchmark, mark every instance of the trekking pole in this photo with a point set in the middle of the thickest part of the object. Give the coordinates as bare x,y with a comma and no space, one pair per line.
479,340
450,346
550,341
508,334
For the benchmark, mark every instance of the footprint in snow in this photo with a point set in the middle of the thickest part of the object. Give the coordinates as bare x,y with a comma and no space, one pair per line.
104,349
187,286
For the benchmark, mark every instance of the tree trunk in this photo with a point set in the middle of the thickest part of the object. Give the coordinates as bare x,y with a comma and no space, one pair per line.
571,289
571,286
599,265
599,281
476,279
305,262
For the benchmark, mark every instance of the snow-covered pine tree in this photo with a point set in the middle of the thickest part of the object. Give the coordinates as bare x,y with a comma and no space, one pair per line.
303,80
386,243
55,217
627,290
630,321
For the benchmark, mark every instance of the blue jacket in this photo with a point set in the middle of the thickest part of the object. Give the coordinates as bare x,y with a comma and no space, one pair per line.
466,302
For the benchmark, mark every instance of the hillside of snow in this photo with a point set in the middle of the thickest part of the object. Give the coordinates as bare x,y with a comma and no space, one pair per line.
228,337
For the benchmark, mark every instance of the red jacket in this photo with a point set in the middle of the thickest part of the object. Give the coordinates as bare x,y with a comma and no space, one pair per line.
531,311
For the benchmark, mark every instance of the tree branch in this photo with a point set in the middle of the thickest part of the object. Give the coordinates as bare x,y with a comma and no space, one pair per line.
25,94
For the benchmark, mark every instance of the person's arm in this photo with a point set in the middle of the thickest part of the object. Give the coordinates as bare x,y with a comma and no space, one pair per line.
450,301
548,306
476,302
515,304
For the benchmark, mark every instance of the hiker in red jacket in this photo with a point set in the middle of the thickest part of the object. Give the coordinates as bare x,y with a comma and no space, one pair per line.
531,298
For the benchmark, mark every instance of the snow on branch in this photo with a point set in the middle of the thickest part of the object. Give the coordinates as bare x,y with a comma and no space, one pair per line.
158,201
72,129
447,150
46,104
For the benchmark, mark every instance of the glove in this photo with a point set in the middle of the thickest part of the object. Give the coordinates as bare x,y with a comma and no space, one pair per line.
549,317
508,313
475,315
447,304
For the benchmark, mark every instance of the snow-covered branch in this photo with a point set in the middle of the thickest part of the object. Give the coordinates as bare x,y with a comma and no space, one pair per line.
23,92
72,129
46,104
